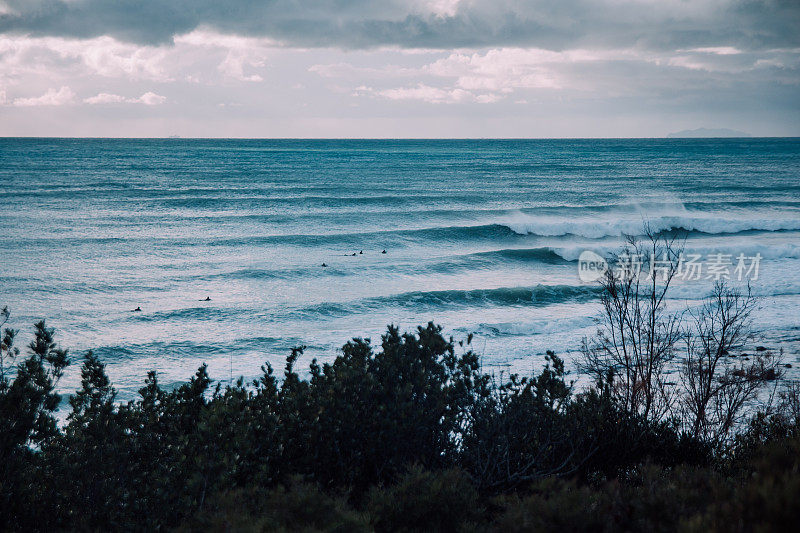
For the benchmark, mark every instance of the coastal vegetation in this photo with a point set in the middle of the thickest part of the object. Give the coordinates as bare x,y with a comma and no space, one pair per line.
408,435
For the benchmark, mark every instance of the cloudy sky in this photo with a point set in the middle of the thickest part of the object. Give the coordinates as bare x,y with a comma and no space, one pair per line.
414,68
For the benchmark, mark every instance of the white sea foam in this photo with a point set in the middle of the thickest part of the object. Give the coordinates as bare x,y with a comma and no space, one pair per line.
610,225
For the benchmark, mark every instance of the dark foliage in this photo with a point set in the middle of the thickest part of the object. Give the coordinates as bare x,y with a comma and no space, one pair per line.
426,501
411,436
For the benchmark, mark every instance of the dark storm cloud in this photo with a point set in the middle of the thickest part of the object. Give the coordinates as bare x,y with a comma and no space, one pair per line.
552,24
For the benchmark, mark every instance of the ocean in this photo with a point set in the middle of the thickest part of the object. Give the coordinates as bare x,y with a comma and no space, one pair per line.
481,236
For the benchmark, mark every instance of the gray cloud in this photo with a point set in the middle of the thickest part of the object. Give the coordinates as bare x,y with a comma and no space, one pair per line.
553,24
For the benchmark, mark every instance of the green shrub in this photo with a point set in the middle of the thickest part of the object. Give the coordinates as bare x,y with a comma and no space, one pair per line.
765,492
296,507
426,501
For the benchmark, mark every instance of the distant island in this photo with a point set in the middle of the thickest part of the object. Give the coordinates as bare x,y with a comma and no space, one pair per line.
706,132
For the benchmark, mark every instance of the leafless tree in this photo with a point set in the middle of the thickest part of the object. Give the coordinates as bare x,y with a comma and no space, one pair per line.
789,403
639,342
715,388
637,336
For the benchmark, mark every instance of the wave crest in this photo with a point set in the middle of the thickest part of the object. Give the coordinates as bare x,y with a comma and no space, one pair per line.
523,224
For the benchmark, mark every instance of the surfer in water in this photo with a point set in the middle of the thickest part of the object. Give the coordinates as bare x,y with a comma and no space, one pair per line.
137,310
207,299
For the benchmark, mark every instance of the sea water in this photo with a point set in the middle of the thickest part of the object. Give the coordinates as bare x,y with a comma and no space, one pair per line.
481,236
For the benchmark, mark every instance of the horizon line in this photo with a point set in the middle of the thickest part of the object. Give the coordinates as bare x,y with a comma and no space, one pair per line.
180,137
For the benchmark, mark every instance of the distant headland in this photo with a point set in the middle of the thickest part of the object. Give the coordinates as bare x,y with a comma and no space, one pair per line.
707,132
